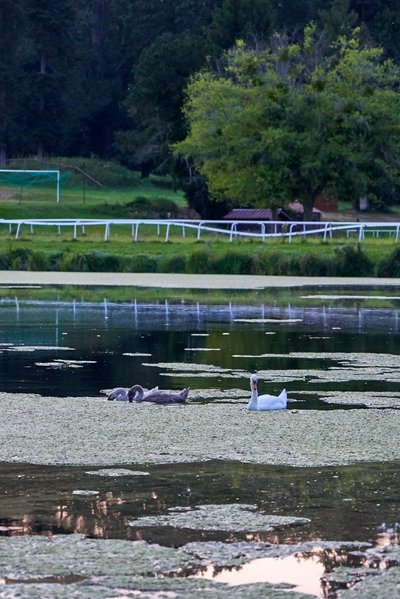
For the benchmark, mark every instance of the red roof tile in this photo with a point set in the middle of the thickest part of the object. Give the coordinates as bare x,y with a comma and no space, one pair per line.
249,214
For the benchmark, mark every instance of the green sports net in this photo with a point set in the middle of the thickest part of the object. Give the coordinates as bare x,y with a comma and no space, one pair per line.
22,184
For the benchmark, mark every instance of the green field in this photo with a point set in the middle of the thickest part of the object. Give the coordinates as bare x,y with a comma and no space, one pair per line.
106,190
81,198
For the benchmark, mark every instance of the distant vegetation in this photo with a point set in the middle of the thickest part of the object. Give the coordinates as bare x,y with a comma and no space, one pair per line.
108,80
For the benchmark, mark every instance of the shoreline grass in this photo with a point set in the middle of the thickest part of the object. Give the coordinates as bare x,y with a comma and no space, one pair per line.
47,250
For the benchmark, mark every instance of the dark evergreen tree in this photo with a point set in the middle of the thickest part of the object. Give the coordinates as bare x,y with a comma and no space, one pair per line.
293,15
338,19
51,44
236,19
13,24
156,96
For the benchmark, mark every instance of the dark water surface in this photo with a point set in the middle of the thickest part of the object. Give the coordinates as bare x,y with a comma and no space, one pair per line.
347,503
164,332
38,338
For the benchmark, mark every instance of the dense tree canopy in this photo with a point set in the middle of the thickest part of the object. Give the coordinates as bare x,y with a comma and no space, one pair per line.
107,77
294,121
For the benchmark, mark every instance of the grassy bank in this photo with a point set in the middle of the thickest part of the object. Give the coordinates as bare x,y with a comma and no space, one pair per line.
48,251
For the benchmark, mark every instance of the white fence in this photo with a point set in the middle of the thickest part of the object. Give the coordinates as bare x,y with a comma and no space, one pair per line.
262,230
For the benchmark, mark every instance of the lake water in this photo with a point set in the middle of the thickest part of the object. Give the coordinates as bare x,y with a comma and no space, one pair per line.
79,348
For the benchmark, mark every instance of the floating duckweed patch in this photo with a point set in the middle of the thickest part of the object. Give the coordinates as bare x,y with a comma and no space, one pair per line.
371,399
30,348
226,555
188,367
136,354
75,566
383,586
331,375
114,472
50,365
355,358
21,557
202,349
79,431
111,568
203,375
65,363
231,517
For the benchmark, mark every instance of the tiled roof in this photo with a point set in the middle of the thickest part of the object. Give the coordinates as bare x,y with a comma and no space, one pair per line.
249,214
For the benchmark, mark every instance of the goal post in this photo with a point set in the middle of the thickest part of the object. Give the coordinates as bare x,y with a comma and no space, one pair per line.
26,178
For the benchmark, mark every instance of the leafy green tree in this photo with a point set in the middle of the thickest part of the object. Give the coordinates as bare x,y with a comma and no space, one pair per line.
294,121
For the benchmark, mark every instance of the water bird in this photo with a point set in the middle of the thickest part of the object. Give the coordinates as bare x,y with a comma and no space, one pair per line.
121,394
265,402
137,393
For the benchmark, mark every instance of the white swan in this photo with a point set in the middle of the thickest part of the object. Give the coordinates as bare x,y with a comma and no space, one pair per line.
121,394
136,393
265,402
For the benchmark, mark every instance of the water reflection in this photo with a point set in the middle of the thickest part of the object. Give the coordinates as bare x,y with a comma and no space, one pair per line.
107,341
305,571
347,503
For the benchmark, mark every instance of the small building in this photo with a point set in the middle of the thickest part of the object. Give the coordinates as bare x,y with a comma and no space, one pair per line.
294,212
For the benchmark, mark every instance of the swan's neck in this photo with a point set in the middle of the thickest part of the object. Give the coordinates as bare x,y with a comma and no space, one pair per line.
136,389
252,405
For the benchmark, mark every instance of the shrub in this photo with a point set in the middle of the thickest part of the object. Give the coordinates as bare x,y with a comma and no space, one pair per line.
152,208
75,262
198,262
27,259
389,266
351,262
141,263
312,265
173,264
270,263
233,263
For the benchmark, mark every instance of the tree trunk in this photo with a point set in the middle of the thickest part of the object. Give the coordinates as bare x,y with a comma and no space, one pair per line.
308,211
40,152
3,157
